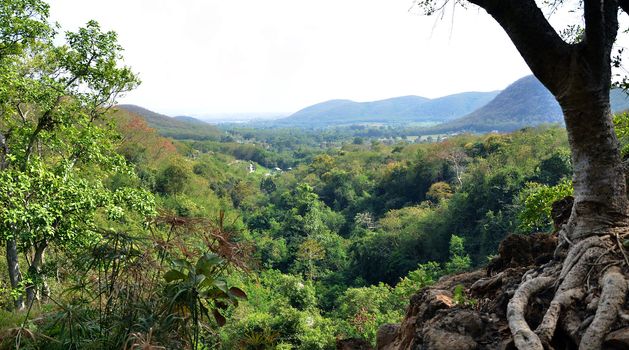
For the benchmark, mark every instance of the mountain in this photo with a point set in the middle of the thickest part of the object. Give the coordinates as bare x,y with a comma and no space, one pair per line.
619,100
182,128
393,110
454,106
526,102
190,120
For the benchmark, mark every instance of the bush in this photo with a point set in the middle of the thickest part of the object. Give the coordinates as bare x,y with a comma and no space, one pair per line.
172,180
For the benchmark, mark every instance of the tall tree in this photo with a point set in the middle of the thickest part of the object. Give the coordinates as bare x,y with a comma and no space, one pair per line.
22,23
56,146
579,75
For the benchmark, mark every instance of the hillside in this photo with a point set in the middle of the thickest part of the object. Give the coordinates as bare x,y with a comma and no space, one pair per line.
393,110
181,128
526,102
190,120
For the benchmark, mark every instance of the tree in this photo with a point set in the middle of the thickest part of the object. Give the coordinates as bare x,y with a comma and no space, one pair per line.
56,145
579,75
173,179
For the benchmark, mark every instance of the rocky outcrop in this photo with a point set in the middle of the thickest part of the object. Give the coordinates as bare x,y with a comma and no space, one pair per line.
476,317
469,311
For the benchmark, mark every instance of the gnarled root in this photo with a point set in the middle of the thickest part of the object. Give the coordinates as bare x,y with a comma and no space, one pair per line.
614,288
571,288
523,336
546,329
577,266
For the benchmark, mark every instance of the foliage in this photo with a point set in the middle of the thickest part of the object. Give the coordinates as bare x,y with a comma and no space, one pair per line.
537,203
621,126
459,260
179,128
146,236
172,180
197,289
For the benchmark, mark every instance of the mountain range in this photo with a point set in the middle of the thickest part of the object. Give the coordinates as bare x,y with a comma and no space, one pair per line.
403,109
526,102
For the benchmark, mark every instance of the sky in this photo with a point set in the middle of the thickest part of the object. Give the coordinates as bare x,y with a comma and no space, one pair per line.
202,57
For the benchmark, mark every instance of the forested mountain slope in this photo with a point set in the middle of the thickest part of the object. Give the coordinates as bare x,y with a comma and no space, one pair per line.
178,127
524,103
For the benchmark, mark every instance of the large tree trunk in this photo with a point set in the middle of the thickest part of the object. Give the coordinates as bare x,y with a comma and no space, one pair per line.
590,250
14,271
599,180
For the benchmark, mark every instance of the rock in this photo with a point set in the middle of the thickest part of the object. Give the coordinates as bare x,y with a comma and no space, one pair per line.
433,300
523,250
453,330
437,339
386,334
618,340
424,306
353,344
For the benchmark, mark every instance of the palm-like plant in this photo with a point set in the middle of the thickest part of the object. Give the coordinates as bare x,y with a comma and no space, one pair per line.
195,290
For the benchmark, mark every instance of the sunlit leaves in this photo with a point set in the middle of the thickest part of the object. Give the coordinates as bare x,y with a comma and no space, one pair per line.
21,22
621,126
42,204
536,201
57,151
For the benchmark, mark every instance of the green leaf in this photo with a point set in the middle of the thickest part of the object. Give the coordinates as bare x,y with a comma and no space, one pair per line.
206,264
174,275
182,263
222,285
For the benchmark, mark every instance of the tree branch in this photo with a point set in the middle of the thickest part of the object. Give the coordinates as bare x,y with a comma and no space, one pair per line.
44,122
4,150
624,5
601,27
537,41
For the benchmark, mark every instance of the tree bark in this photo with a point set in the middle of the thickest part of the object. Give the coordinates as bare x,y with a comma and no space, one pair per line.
599,181
34,271
14,271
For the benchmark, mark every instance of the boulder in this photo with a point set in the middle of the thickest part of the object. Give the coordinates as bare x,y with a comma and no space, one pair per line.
386,334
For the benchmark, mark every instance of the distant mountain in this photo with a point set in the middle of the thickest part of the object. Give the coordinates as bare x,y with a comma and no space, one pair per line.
526,102
619,100
394,110
191,120
182,128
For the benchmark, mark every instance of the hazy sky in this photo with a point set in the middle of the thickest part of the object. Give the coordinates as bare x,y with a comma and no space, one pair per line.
200,57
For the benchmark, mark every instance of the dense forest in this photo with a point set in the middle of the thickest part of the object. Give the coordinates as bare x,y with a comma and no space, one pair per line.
122,234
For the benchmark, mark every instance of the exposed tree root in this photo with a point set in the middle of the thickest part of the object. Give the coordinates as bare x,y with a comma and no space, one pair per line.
614,288
546,329
571,324
523,336
589,255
